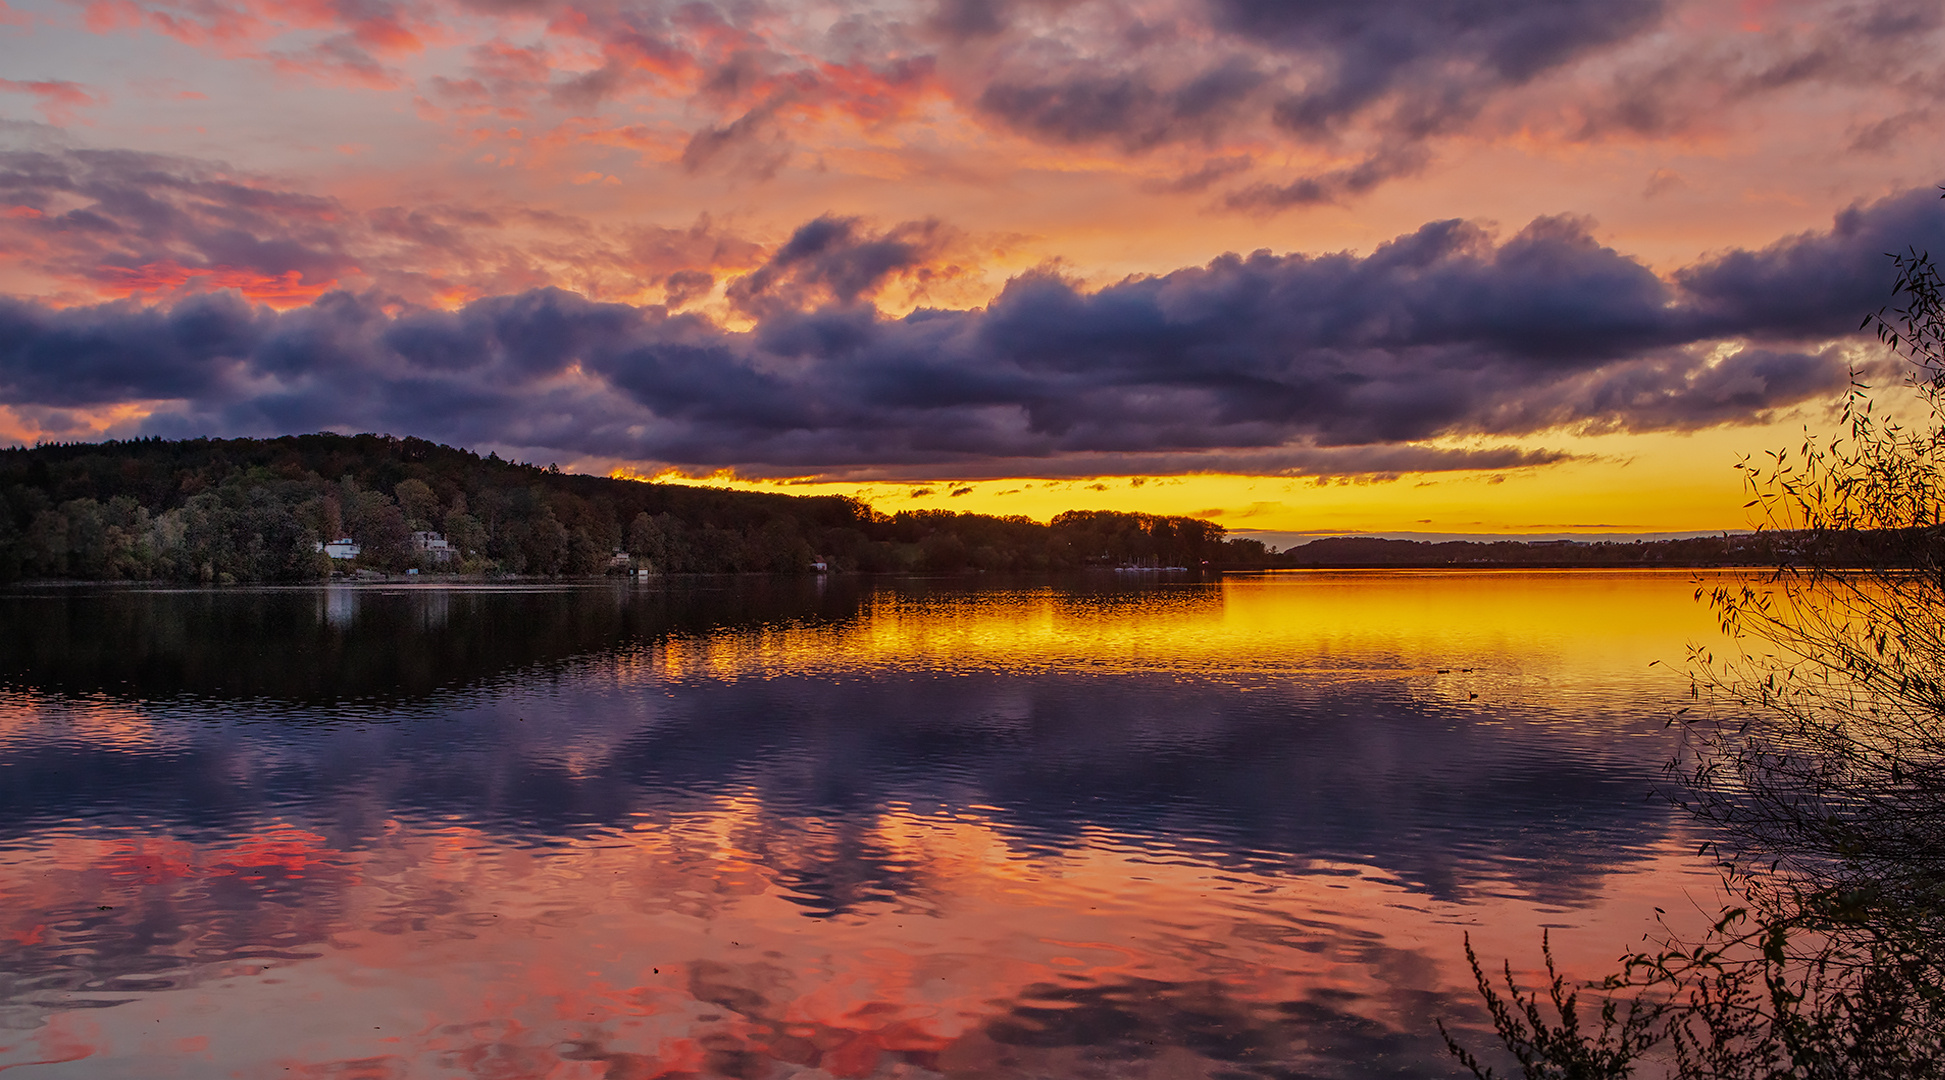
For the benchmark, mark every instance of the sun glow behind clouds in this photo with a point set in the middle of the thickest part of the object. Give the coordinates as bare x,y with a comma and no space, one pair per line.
28,425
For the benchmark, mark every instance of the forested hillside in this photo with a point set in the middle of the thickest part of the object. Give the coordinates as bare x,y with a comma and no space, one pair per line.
227,510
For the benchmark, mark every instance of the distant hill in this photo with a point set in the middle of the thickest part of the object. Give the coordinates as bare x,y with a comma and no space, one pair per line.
226,510
1739,549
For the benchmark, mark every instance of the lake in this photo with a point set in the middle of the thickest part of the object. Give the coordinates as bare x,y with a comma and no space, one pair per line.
761,828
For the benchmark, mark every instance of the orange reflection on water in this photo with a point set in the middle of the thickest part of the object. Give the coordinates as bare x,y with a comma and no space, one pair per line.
25,717
1577,623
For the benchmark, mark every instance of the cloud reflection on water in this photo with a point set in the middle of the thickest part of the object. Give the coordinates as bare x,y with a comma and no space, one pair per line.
749,829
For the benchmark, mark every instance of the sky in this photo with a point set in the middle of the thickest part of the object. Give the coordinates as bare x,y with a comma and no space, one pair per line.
1301,266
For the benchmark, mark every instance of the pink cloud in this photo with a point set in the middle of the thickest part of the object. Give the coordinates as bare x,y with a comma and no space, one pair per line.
1250,108
150,226
57,99
366,33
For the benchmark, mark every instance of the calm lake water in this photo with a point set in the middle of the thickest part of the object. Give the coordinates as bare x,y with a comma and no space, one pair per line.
769,828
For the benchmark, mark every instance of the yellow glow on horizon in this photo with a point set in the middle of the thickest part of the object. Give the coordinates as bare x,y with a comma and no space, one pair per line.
1617,483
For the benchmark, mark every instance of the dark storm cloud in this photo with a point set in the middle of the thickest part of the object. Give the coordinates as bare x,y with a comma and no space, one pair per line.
1124,109
1368,91
838,258
972,19
686,285
1684,390
1203,176
1439,54
1515,39
1290,363
750,143
1333,186
1804,284
1377,460
124,351
1388,75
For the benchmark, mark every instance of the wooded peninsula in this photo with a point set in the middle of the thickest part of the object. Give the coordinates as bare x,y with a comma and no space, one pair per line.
265,510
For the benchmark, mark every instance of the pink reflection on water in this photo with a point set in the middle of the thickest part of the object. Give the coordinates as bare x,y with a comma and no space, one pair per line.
743,928
665,951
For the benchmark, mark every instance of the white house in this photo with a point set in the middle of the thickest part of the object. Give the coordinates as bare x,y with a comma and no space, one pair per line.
343,548
434,545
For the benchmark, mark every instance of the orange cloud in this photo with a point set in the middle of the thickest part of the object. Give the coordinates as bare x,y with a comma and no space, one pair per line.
876,95
285,290
26,425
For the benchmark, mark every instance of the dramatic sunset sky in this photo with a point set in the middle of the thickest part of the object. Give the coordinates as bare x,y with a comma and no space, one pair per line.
1436,266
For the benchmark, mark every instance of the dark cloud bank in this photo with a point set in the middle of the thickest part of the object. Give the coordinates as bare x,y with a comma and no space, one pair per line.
1403,71
1332,363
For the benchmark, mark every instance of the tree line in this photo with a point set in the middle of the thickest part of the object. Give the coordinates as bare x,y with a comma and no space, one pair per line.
1729,549
257,510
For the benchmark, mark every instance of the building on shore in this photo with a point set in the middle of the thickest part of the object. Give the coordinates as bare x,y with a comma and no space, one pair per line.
434,546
